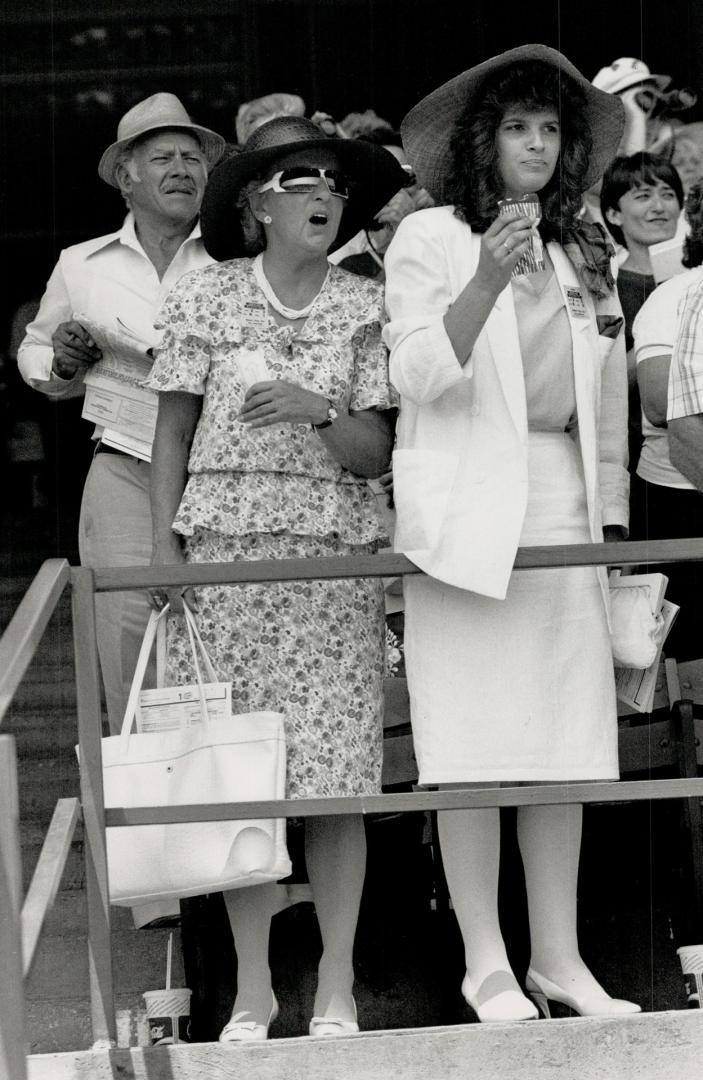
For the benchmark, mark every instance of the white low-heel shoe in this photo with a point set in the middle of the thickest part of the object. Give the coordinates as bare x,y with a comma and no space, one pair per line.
330,1026
542,991
498,999
240,1030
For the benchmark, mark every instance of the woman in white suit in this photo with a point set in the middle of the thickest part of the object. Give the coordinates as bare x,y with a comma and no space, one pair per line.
512,431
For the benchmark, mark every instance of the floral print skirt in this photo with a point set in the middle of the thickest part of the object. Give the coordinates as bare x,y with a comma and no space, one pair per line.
313,650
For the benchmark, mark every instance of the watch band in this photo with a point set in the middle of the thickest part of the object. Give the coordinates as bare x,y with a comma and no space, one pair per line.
332,415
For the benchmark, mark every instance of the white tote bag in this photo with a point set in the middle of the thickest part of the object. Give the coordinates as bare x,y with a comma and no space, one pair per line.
238,758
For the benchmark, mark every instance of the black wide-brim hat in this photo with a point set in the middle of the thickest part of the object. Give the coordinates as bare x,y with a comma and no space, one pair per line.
428,128
374,177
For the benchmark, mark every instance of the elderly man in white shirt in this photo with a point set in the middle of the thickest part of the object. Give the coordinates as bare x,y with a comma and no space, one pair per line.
160,163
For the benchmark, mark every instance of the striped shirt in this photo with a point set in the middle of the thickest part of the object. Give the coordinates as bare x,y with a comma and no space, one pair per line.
686,373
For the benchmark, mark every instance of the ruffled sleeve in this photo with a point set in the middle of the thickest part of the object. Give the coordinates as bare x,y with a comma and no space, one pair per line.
371,388
182,357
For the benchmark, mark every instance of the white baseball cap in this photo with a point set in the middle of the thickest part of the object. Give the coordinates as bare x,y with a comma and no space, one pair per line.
627,72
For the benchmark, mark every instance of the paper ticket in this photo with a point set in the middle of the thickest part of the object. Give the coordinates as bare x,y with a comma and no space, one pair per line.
252,367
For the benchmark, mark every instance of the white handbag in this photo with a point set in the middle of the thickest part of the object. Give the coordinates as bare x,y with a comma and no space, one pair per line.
637,625
236,758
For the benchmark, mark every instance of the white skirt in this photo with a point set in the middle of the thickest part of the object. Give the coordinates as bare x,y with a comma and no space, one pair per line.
519,689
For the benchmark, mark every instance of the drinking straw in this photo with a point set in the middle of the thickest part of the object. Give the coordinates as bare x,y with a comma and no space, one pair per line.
169,958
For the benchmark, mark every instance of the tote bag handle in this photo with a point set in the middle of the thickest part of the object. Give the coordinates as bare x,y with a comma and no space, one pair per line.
155,618
156,628
191,622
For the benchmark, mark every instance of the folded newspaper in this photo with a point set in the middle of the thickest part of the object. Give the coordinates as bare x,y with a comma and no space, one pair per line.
636,686
115,398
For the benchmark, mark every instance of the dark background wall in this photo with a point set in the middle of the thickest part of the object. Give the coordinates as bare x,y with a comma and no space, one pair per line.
68,70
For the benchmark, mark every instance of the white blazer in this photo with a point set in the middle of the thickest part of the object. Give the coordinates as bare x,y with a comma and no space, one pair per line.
460,467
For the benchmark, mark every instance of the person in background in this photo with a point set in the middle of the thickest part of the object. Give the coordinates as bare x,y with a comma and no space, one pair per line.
512,431
252,114
668,503
274,409
355,124
648,102
159,163
687,154
366,251
650,111
684,412
641,200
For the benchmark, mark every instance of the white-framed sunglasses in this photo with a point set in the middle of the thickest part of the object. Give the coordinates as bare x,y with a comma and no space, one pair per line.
303,179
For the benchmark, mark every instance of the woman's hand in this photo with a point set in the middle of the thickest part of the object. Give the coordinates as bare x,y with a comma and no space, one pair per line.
503,244
281,402
170,553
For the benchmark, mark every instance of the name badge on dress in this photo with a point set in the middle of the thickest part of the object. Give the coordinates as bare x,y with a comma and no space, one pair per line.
576,302
253,315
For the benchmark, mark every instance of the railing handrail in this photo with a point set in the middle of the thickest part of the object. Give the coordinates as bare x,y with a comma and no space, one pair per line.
47,876
23,633
12,1003
596,791
625,553
21,638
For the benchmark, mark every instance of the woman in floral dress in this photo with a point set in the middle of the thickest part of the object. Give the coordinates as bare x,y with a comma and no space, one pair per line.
274,409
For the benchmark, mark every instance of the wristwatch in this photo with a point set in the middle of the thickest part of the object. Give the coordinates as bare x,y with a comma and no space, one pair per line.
332,415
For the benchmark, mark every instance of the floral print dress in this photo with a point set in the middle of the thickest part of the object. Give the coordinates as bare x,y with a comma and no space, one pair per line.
312,649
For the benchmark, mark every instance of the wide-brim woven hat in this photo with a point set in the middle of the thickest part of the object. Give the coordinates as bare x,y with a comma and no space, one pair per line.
374,177
428,127
156,112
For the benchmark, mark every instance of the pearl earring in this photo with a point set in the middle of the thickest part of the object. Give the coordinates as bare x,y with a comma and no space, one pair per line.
267,219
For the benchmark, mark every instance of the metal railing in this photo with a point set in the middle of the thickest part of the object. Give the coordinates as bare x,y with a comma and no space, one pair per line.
19,932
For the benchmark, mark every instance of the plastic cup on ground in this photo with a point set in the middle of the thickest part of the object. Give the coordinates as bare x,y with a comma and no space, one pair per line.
168,1015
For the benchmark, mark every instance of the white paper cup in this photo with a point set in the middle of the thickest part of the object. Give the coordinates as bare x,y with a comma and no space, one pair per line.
168,1015
691,957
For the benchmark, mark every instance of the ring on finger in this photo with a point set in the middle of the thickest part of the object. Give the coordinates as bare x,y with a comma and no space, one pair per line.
507,246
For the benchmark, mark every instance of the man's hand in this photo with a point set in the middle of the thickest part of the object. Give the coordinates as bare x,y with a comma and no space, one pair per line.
74,348
170,553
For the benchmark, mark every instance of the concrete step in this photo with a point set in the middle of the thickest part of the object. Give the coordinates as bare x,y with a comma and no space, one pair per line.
655,1046
69,918
45,781
60,969
45,692
43,733
73,877
52,1026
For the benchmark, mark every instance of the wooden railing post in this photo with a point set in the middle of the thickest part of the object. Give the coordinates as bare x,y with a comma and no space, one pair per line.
102,1002
13,1049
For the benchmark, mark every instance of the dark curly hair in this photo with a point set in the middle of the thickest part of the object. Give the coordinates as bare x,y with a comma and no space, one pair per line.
474,183
693,244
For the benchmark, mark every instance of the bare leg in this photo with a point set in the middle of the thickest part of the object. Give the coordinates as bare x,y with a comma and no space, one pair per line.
335,853
250,912
470,841
550,844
